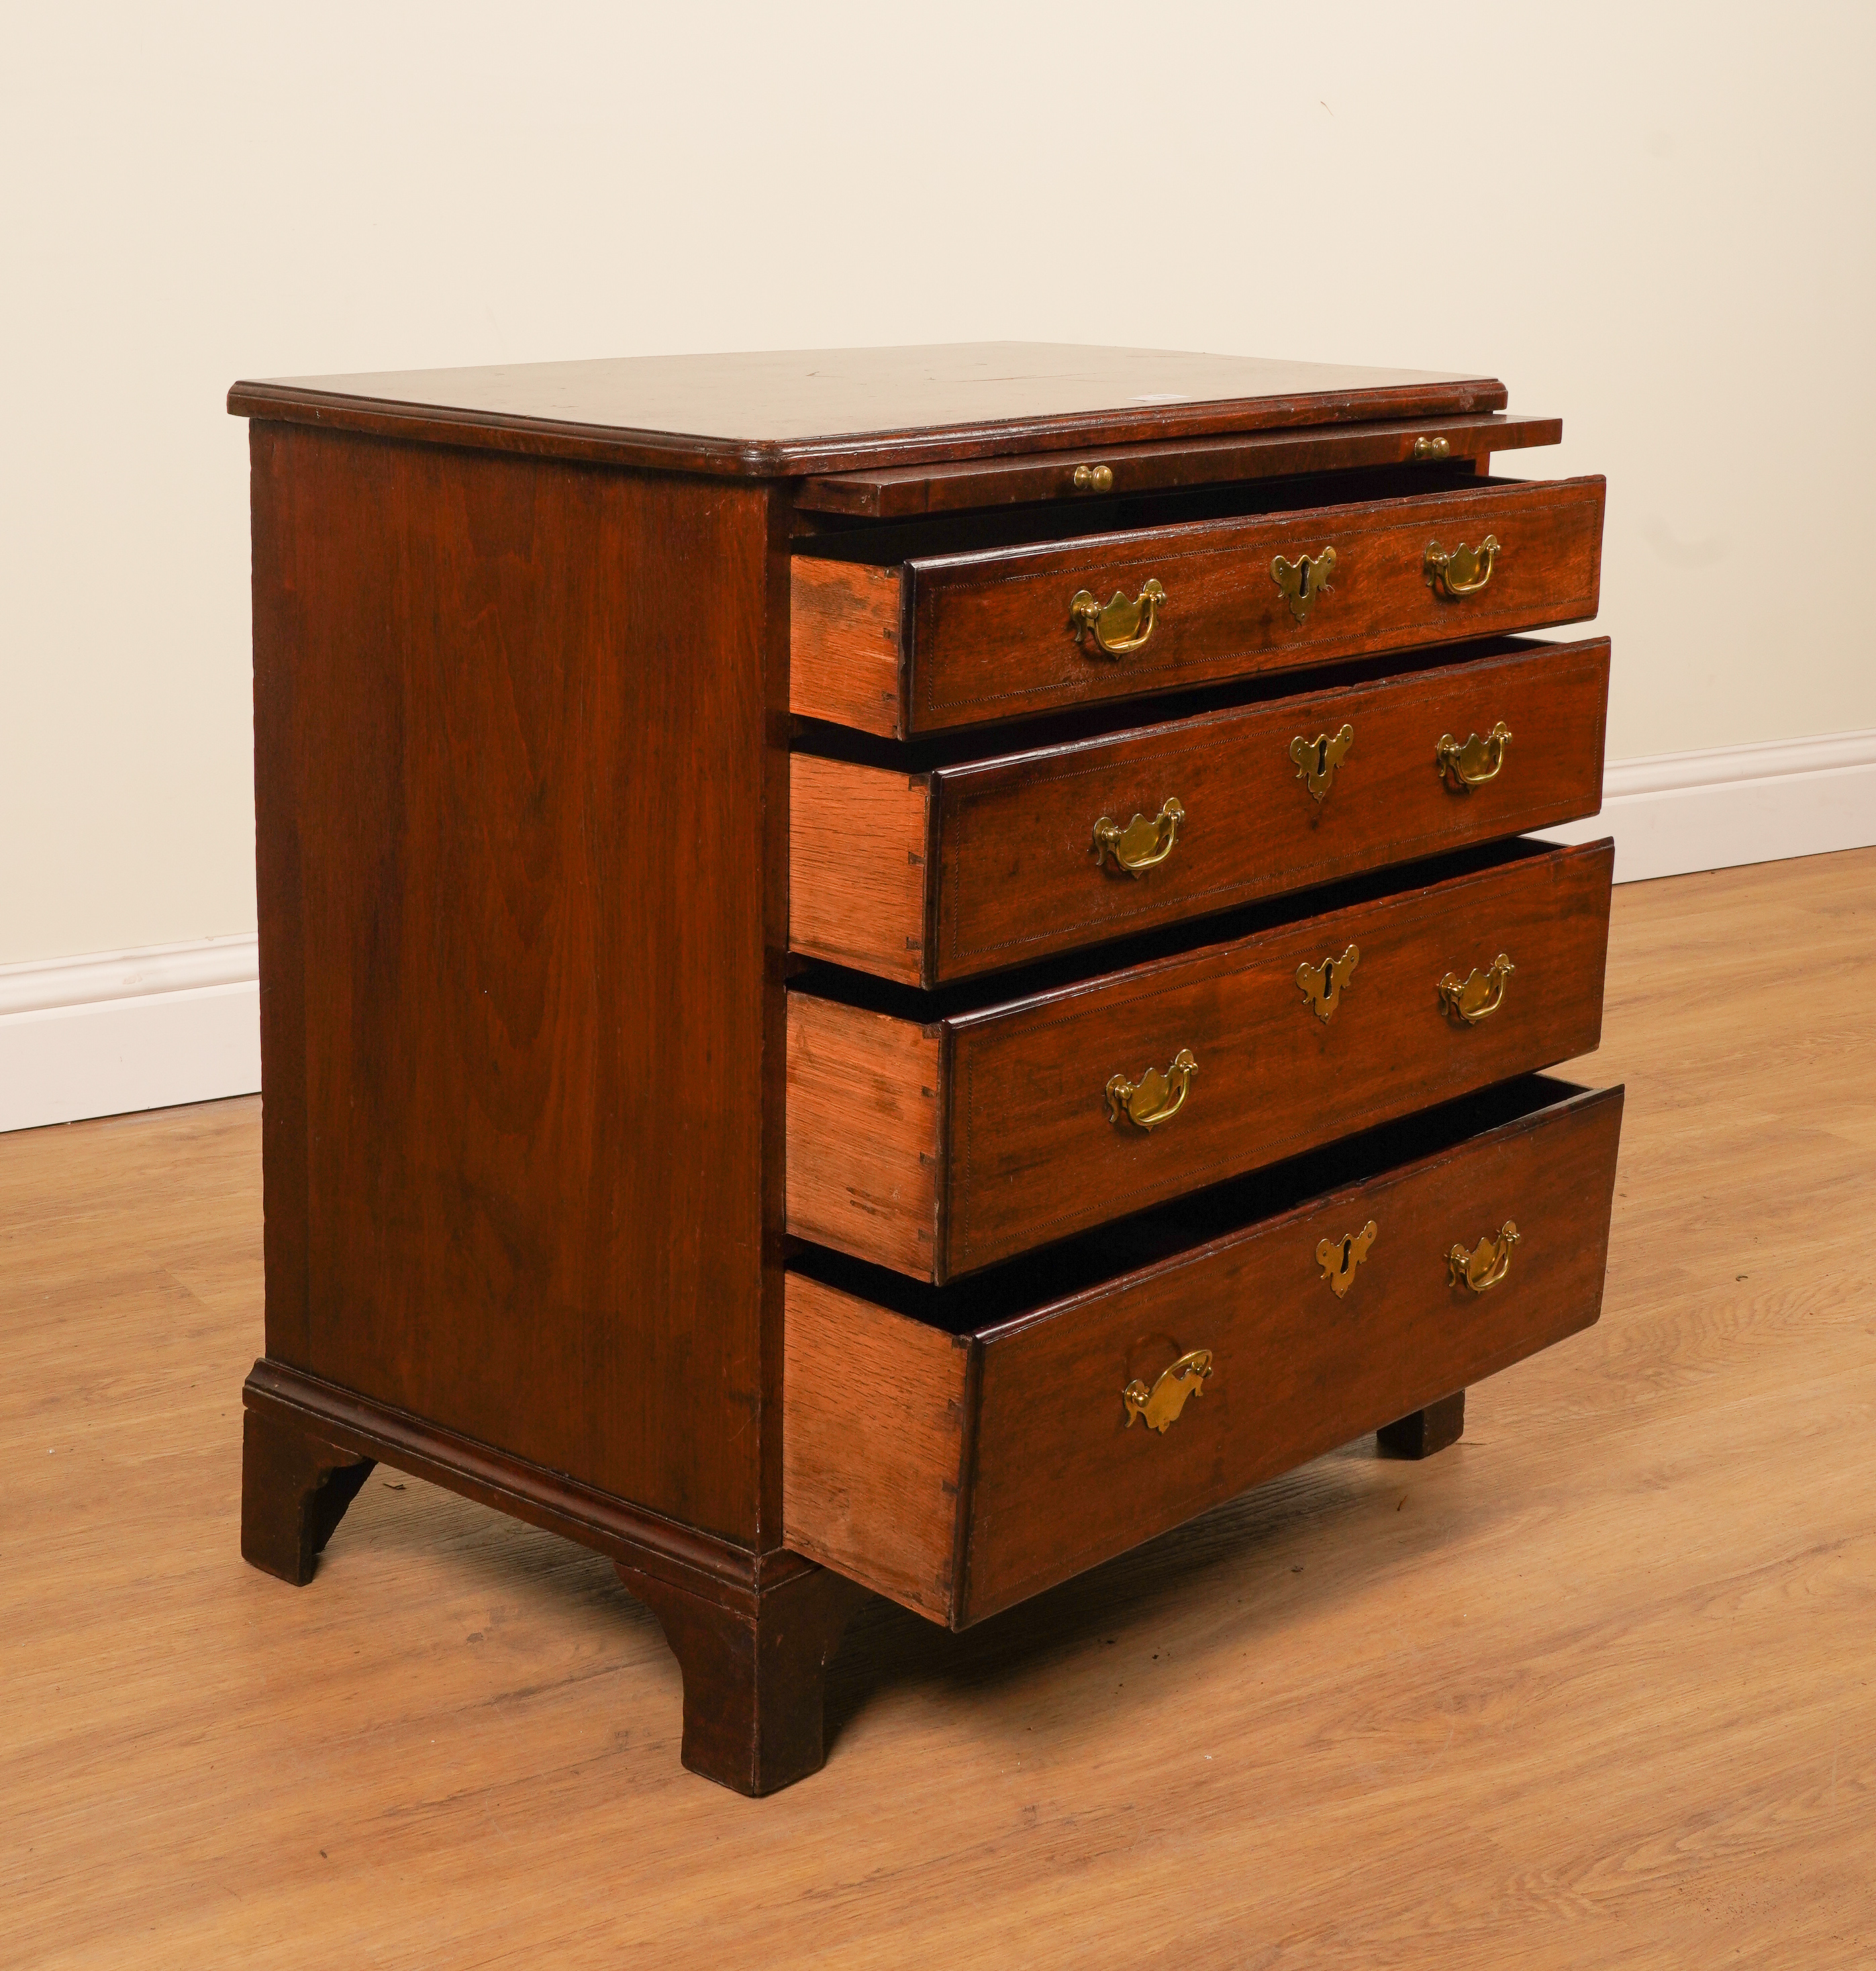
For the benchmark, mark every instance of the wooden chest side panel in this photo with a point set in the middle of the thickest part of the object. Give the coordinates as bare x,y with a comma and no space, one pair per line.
864,1122
874,1439
1296,1369
514,1134
857,867
845,645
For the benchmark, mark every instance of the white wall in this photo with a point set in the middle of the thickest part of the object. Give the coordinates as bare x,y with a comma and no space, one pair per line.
1656,221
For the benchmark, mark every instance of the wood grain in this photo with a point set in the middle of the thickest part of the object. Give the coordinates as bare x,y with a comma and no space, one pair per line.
1029,1153
777,413
882,1402
1014,876
519,1172
989,635
1591,1688
875,1442
845,665
856,862
891,493
864,1127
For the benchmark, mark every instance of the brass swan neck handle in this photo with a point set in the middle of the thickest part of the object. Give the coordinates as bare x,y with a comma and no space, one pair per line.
1159,1407
1155,1098
1117,626
1488,1262
1463,571
1470,763
1477,996
1143,844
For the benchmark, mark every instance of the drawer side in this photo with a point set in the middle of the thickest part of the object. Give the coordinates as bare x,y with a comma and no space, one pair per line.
845,645
873,1441
863,1128
857,866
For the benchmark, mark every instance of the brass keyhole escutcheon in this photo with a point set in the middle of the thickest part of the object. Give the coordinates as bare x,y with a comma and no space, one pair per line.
1300,582
1338,1258
1321,985
1316,760
1464,571
1481,994
1471,764
1117,626
1488,1262
1160,1406
1155,1098
1143,844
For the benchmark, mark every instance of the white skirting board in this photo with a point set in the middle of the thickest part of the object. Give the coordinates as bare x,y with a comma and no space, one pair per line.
126,1030
1678,813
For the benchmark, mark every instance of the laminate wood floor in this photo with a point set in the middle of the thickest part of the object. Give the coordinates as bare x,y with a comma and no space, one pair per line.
1598,1687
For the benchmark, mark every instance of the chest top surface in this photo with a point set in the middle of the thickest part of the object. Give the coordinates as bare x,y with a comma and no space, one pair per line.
786,412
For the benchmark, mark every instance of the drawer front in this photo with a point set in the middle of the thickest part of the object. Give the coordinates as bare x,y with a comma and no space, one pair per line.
976,1469
966,638
1046,851
937,1150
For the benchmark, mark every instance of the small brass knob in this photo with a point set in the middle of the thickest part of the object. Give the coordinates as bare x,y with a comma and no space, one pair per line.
1433,448
1094,479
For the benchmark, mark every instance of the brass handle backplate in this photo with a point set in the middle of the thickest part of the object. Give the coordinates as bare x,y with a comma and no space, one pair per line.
1119,626
1464,571
1300,582
1161,1405
1155,1098
1338,1258
1094,479
1316,760
1321,985
1143,844
1488,1262
1479,994
1477,761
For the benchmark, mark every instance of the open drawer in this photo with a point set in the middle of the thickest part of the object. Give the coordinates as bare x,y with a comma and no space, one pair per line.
941,1133
897,641
980,864
959,1449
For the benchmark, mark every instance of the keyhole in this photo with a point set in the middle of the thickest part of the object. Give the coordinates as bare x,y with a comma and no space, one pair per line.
1322,758
1348,1245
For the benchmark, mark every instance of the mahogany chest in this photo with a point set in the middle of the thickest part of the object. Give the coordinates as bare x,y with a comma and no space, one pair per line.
892,970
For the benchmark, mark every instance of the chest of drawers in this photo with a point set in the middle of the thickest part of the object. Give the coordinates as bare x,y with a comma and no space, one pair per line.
891,971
